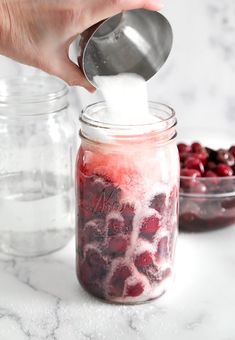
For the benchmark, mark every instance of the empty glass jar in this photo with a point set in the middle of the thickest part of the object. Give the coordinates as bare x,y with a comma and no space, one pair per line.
37,144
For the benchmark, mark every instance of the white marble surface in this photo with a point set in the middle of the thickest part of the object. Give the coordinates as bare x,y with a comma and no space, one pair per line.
40,299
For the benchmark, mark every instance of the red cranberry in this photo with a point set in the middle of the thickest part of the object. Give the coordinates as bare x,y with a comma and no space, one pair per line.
89,279
94,231
115,226
228,203
117,246
232,150
194,163
224,170
190,173
196,147
158,202
182,147
128,213
198,188
105,194
184,155
118,279
84,213
134,290
149,227
210,173
143,260
210,165
96,262
98,196
86,274
203,156
223,156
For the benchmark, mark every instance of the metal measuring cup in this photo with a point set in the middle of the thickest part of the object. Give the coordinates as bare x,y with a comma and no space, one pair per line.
136,41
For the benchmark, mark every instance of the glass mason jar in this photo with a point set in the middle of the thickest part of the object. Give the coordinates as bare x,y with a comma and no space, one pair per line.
37,144
127,184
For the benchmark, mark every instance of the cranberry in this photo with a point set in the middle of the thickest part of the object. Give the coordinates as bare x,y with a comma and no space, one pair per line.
98,196
94,231
128,213
86,274
198,188
158,202
117,246
115,226
190,173
210,173
228,203
194,163
143,260
184,155
183,147
203,156
134,290
196,147
213,179
232,150
224,170
96,262
210,166
89,279
118,279
149,227
223,156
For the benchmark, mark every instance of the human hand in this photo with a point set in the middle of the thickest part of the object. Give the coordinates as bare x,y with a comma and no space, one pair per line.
39,32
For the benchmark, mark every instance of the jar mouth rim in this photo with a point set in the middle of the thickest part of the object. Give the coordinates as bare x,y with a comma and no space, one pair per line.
38,89
159,125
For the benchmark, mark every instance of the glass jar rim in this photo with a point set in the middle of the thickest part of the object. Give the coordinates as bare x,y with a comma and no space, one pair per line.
29,95
158,126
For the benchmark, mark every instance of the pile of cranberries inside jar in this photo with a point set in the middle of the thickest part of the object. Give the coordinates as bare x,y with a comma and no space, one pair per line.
207,187
127,210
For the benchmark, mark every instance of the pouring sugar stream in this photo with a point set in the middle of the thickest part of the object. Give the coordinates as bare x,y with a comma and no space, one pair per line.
126,104
127,99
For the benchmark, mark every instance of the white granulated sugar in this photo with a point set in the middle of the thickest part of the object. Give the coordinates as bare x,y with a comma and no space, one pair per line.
126,98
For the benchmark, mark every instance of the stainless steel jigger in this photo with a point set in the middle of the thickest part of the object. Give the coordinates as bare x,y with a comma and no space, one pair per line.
137,41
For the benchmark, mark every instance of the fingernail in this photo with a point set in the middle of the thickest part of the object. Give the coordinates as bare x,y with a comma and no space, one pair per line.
91,89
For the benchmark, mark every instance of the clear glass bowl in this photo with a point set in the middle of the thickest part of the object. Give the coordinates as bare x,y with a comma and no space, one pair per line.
206,203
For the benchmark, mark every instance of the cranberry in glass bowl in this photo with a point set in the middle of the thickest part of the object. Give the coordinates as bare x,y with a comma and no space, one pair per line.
207,187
